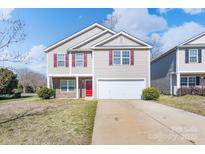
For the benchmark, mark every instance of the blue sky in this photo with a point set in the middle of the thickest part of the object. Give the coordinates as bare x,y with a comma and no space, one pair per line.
162,28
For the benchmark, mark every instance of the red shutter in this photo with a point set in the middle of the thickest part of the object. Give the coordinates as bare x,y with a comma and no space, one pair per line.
67,60
55,59
110,57
132,57
73,59
85,59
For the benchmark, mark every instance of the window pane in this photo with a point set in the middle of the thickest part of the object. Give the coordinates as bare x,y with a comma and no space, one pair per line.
79,59
71,85
117,54
184,81
117,57
125,57
193,54
125,61
117,60
126,54
61,59
63,85
192,81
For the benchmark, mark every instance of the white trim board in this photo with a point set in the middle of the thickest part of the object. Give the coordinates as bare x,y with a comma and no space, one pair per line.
121,33
191,71
121,79
70,75
92,38
120,47
192,39
75,35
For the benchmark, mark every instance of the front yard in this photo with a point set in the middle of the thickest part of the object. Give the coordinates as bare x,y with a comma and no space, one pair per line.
191,103
55,121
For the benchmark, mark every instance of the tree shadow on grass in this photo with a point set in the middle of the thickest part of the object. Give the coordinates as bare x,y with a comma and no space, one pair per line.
9,97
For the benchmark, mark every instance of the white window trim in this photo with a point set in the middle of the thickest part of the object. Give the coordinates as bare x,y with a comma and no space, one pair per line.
67,81
63,61
187,85
196,57
82,60
121,57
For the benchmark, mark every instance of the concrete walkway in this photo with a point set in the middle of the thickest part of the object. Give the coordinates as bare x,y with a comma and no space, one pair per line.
145,122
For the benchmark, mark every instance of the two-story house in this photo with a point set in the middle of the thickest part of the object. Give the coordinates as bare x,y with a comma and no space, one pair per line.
182,66
99,63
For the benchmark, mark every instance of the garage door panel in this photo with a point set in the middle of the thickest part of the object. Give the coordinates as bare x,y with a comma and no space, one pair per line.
120,89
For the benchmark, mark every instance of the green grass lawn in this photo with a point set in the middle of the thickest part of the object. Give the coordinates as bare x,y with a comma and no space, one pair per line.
54,121
191,103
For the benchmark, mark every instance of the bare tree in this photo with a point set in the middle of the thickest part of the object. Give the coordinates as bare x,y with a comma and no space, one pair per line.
11,32
27,77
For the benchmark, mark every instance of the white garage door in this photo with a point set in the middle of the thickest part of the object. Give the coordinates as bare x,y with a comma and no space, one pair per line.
120,89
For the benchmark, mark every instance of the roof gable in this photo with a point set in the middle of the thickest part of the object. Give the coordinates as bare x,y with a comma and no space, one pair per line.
93,40
84,33
121,39
198,39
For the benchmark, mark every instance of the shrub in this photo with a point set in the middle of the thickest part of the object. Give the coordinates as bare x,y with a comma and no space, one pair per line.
196,91
29,89
190,91
183,91
151,93
17,93
46,93
8,81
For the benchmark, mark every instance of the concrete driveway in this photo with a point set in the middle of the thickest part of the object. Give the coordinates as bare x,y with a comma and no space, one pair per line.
145,122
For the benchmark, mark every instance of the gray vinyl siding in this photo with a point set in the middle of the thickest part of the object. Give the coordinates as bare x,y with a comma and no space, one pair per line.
82,69
102,69
63,49
160,72
189,67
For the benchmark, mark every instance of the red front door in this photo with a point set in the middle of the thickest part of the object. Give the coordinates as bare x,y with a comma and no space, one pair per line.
89,90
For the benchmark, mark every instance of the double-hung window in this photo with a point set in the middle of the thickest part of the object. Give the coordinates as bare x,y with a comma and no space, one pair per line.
192,81
188,81
67,85
61,59
79,59
184,81
125,57
193,55
117,57
121,57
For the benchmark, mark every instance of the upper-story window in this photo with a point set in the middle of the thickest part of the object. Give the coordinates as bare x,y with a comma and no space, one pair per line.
121,57
61,59
79,59
193,55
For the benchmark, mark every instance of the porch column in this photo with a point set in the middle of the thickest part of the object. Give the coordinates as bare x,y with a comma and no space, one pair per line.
178,80
77,87
48,82
171,90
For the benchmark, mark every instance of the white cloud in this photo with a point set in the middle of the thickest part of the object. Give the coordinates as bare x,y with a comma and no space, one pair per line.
34,59
138,22
176,35
191,11
37,59
164,10
5,13
36,53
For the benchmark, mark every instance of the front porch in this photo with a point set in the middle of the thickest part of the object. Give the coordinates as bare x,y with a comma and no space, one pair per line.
186,80
72,86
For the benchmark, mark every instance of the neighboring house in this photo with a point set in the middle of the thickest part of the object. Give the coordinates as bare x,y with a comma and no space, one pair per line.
99,63
182,66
